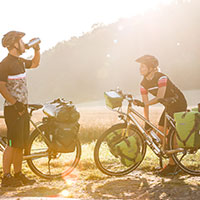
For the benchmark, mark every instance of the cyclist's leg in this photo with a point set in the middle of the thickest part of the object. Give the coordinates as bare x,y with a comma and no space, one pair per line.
161,124
17,159
178,107
161,128
13,135
17,133
7,159
22,129
10,120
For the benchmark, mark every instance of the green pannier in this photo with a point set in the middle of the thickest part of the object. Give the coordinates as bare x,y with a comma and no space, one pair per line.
113,99
112,139
125,148
195,109
188,129
129,151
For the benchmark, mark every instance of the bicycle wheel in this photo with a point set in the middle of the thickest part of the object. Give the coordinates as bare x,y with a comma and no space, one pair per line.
188,160
110,163
51,164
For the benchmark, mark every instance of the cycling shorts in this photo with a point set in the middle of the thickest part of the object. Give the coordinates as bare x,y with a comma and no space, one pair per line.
177,107
17,127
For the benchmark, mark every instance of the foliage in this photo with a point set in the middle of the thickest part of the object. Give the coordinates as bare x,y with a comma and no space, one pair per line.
82,68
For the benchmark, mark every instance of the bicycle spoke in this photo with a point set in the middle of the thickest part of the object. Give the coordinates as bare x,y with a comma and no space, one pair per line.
54,164
188,160
49,166
109,160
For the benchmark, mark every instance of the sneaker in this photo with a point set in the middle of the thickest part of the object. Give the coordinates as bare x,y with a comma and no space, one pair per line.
169,170
10,181
21,177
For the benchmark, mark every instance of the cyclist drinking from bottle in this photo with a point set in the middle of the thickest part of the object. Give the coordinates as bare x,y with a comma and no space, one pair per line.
13,88
160,86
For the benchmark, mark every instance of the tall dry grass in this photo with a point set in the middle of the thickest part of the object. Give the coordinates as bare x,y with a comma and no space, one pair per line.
93,121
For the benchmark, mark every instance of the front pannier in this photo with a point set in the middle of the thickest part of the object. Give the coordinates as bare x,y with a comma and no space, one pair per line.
188,129
129,151
113,139
126,149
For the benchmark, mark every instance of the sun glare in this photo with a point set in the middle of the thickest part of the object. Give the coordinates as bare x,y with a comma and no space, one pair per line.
78,15
130,8
65,193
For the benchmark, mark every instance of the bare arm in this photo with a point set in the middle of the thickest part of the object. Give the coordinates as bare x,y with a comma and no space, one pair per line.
160,94
36,59
146,107
6,94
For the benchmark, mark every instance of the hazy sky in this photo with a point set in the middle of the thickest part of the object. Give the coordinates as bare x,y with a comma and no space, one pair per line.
57,20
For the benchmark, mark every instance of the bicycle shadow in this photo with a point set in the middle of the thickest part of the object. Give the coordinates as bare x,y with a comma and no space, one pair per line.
178,187
120,188
144,188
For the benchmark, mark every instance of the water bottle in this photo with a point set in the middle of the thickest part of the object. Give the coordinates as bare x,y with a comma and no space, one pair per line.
153,146
32,43
155,137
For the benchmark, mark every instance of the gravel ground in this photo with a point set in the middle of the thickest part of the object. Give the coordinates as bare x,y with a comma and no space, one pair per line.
137,185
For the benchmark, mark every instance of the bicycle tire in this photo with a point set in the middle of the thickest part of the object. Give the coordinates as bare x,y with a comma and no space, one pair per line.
108,163
190,162
59,168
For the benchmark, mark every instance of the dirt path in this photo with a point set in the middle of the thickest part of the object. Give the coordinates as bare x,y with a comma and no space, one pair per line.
137,185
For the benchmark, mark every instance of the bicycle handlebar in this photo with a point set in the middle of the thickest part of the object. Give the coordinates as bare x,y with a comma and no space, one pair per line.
130,99
165,101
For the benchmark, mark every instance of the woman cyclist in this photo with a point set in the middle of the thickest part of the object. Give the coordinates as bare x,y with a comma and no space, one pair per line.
160,86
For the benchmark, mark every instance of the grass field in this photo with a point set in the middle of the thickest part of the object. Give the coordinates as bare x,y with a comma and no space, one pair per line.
94,121
86,181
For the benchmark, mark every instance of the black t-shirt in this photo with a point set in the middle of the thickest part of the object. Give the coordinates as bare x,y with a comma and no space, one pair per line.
160,80
12,71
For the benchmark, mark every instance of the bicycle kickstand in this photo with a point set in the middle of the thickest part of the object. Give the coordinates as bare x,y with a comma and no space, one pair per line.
161,162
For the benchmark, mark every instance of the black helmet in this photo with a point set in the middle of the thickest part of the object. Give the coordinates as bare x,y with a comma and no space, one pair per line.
148,60
11,37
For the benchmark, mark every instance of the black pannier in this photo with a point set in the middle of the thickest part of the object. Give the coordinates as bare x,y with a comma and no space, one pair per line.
62,126
63,136
62,111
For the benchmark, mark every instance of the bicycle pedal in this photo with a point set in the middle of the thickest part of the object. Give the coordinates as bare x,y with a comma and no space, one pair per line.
157,168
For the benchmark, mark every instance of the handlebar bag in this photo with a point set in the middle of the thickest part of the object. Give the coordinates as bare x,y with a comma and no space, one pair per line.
188,129
113,99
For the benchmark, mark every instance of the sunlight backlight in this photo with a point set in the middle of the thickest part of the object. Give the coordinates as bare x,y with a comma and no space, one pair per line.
65,193
69,182
56,21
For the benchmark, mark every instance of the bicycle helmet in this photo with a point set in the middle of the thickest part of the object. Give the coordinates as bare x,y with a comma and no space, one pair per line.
148,60
11,37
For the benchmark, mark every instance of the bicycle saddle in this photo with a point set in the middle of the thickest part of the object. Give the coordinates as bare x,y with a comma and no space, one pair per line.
35,106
